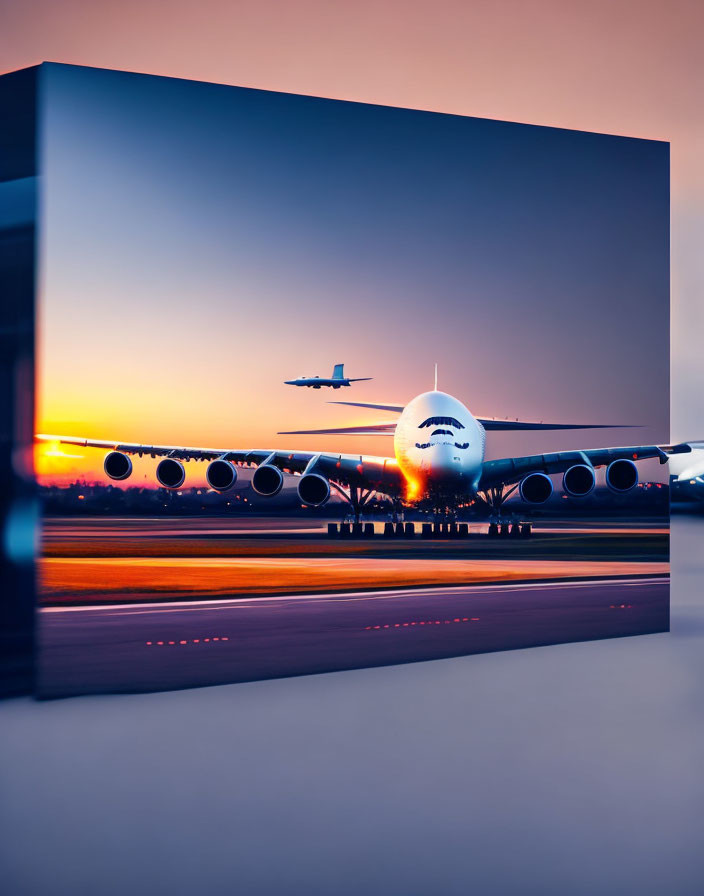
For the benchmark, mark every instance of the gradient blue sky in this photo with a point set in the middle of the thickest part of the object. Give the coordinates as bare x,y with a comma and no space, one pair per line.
203,243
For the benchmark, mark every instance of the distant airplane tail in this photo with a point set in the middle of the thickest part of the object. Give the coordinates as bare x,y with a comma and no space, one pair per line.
338,372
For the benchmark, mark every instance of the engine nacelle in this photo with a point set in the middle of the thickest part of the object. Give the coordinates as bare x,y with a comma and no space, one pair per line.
117,465
535,488
579,481
221,475
170,473
621,476
267,480
313,489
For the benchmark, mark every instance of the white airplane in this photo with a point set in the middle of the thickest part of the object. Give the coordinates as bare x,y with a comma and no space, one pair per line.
337,379
687,476
439,457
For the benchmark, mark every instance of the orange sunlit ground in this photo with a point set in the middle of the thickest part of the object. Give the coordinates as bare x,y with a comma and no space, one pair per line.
157,577
94,561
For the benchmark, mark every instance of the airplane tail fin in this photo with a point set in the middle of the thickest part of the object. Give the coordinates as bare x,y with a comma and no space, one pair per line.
338,372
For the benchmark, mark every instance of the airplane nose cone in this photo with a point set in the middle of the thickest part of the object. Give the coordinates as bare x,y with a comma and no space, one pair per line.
442,461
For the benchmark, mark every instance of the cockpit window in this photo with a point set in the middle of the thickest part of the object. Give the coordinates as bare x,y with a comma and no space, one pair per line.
442,421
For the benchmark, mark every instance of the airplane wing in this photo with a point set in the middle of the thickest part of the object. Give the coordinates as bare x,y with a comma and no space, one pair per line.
396,408
362,471
494,423
509,470
374,429
489,423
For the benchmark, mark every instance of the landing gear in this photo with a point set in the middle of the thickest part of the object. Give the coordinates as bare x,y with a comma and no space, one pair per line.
351,530
494,498
399,530
356,499
512,530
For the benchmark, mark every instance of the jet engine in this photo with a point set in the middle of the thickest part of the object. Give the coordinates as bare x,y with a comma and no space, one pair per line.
267,480
621,475
221,475
170,473
117,465
313,489
579,481
535,488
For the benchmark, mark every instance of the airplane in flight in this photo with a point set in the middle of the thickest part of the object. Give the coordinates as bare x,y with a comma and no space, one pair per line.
439,459
337,379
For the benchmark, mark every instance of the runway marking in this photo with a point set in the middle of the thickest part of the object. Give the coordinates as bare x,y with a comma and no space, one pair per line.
184,643
400,625
350,596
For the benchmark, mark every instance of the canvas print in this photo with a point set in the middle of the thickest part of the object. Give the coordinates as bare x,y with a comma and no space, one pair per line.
323,385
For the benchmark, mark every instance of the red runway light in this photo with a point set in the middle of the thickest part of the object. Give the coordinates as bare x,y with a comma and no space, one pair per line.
457,619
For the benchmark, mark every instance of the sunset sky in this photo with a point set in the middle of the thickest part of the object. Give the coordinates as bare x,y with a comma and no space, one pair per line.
612,66
609,66
201,244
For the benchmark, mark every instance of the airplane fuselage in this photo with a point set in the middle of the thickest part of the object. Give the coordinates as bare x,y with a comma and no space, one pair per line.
439,446
317,382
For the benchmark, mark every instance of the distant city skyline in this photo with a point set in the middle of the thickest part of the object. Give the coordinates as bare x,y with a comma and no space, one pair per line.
205,243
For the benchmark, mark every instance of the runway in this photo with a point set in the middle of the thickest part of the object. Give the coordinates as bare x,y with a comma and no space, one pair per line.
156,646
